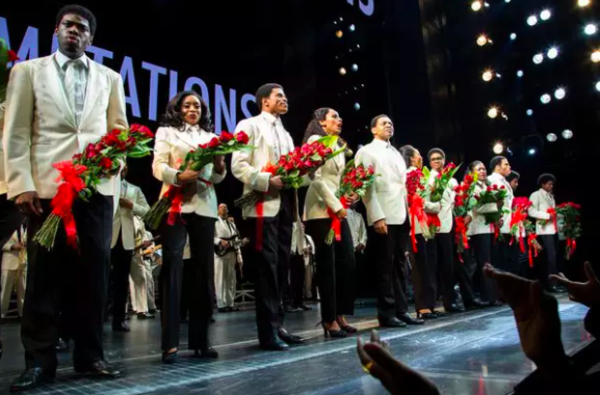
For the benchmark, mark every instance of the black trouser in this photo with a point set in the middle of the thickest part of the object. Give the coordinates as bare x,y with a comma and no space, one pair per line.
424,275
186,286
465,272
442,254
336,267
482,248
297,274
120,259
82,274
546,264
501,255
400,279
272,262
381,254
201,231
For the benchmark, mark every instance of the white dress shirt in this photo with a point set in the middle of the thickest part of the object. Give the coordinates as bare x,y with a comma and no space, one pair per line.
499,180
281,144
541,202
357,227
74,77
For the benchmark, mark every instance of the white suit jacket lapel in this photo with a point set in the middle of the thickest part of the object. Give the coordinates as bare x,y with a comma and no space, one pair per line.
186,138
51,80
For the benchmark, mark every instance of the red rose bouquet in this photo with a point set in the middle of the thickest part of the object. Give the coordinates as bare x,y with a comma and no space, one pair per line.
463,204
355,180
519,220
6,56
80,177
436,193
571,219
493,195
172,200
533,246
415,187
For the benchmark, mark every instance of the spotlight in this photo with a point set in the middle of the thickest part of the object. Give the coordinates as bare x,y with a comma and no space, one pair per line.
492,112
545,99
590,29
507,1
551,137
354,67
596,56
339,34
341,19
530,112
476,5
552,53
531,151
498,75
520,73
583,3
498,148
335,22
487,75
538,58
545,15
356,106
598,86
358,46
567,134
352,28
560,93
482,40
532,20
363,85
342,71
513,36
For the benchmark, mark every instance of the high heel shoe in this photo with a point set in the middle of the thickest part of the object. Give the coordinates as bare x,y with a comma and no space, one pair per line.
426,316
339,334
348,328
169,358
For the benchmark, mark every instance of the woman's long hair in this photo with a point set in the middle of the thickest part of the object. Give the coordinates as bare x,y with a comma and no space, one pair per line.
407,152
173,116
315,128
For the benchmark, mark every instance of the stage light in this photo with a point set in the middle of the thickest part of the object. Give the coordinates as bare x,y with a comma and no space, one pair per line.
595,56
335,22
507,1
492,112
513,36
498,75
358,46
476,5
339,34
350,50
498,148
545,99
482,40
598,86
560,93
356,106
532,20
590,29
567,134
520,73
354,67
529,112
551,137
342,71
363,85
553,53
352,28
583,3
538,58
545,15
531,151
487,75
341,19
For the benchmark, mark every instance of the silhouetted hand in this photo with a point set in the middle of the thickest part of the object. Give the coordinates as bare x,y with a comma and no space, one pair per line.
587,293
29,203
381,227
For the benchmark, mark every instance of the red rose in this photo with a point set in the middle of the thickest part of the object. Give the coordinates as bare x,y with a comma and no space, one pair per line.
502,187
489,189
106,163
226,136
144,130
115,132
242,137
91,151
12,56
477,198
214,143
495,187
134,128
77,157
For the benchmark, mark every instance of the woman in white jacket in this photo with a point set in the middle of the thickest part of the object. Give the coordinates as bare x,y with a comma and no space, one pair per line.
336,265
186,125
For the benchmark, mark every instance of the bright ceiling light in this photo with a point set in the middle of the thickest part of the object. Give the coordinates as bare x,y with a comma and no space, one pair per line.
487,75
532,20
560,93
567,134
545,15
590,29
492,112
538,58
551,137
476,5
545,99
553,53
498,148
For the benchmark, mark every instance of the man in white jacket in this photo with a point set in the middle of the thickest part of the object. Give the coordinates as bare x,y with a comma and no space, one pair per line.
226,237
14,267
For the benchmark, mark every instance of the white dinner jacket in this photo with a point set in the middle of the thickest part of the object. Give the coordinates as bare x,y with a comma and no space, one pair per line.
247,165
322,189
40,127
386,197
170,149
123,219
446,214
477,225
541,202
11,259
223,230
499,180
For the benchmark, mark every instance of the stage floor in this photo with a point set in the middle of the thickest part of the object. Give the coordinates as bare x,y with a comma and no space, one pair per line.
468,353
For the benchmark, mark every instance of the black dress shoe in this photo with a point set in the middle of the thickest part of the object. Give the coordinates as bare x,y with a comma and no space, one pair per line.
207,352
391,323
454,308
408,320
122,327
32,378
169,358
304,307
275,345
476,304
289,338
62,346
145,316
99,370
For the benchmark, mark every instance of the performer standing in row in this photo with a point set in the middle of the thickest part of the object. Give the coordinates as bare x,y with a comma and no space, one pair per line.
386,215
501,257
272,242
187,124
336,265
226,259
56,106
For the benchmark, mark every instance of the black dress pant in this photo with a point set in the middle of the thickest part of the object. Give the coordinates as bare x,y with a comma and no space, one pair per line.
121,267
83,274
482,248
400,279
501,255
382,249
272,262
546,264
465,272
201,231
186,286
297,274
424,274
336,268
442,254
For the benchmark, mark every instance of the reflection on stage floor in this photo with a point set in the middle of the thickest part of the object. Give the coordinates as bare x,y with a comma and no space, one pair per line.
468,353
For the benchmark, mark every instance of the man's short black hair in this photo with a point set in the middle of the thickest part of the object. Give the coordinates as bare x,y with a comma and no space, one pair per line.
377,118
78,10
513,176
496,161
436,151
545,178
264,92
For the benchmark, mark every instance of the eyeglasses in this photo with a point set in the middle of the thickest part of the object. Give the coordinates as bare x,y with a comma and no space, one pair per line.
437,159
